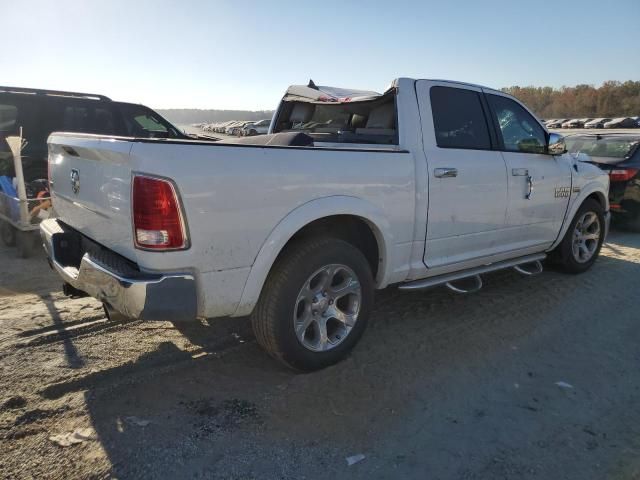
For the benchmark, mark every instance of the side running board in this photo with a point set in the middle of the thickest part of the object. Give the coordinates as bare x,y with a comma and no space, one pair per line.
528,265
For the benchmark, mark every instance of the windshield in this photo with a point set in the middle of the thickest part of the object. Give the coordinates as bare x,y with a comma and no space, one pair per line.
612,147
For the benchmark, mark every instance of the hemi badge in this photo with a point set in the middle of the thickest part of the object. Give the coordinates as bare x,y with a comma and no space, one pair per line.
576,189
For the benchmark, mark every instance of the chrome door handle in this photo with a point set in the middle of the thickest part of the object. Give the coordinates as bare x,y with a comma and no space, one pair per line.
445,172
529,187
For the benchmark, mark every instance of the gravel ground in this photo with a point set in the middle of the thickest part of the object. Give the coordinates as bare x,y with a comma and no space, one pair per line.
441,386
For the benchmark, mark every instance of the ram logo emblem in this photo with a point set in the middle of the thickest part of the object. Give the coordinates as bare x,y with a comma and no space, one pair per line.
563,192
75,180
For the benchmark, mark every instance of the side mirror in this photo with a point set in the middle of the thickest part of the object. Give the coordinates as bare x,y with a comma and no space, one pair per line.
556,145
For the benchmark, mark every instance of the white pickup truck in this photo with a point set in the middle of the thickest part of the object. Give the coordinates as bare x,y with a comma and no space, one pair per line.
430,183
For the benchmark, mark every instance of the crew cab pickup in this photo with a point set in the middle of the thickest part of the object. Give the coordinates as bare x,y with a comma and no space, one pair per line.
429,183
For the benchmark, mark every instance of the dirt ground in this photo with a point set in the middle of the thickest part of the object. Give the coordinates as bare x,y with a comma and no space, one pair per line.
441,386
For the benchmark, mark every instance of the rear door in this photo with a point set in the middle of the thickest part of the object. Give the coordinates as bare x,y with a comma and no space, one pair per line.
467,184
539,183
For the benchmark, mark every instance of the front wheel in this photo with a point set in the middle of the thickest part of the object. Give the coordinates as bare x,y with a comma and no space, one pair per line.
581,244
315,303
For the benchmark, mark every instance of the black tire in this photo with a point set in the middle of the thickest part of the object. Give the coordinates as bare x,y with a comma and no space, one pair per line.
25,243
253,132
563,255
273,316
7,234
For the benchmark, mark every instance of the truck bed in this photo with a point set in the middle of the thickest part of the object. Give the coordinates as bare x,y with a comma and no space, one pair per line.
232,194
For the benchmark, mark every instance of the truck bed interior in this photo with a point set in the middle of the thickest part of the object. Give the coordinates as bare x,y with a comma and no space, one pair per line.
361,122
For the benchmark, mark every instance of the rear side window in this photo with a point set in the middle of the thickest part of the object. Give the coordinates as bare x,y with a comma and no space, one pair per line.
8,116
104,121
19,111
459,119
82,116
74,119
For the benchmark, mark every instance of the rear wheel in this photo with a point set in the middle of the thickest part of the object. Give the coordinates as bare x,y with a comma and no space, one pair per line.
7,234
315,304
581,244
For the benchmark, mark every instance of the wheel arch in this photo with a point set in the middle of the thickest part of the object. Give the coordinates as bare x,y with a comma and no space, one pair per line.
342,215
593,190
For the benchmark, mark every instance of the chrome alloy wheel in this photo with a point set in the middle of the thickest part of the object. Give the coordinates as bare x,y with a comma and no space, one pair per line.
327,307
586,237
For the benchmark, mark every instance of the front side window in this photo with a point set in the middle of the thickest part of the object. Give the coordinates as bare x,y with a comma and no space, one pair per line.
143,122
519,129
458,119
149,123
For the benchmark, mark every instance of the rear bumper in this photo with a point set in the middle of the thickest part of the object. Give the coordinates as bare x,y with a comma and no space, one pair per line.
114,280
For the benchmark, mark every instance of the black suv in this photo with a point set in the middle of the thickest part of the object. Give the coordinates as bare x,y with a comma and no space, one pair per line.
40,112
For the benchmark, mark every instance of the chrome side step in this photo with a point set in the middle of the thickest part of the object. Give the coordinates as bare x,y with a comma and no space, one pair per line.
448,279
537,268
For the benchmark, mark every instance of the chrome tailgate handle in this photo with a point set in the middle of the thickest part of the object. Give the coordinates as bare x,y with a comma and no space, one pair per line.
445,172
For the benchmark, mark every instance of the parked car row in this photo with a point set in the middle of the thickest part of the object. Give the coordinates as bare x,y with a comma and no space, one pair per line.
619,155
618,122
238,128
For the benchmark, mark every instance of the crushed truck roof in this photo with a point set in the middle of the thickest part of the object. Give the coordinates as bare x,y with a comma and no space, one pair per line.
312,93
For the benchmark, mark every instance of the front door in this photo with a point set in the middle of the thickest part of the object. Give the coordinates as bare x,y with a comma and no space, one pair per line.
539,183
467,184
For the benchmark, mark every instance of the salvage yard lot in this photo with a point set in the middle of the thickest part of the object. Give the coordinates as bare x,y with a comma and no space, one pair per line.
441,386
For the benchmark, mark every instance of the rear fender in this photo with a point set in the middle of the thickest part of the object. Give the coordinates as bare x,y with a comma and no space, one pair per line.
298,219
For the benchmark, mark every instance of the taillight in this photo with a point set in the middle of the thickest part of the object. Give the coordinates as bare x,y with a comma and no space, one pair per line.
622,174
157,219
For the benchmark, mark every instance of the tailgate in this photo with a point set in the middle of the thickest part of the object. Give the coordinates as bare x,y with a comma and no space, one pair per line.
91,188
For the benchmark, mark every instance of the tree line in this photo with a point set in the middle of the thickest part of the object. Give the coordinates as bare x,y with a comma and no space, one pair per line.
612,99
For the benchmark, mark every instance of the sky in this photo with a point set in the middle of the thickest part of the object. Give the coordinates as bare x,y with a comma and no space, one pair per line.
243,54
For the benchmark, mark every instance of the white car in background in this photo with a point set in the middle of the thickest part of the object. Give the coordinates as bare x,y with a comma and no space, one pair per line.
231,126
556,123
597,122
576,123
258,128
